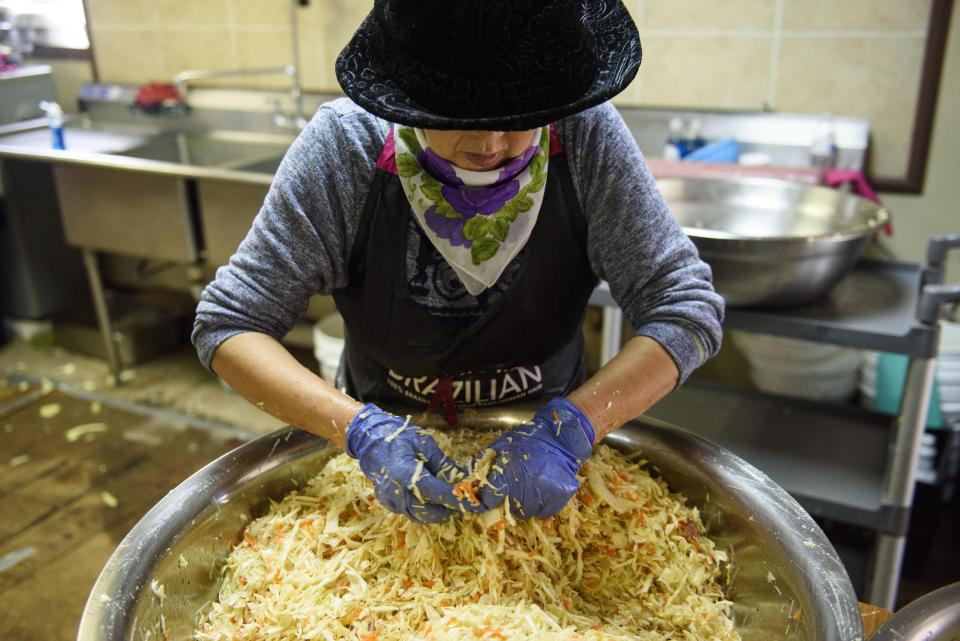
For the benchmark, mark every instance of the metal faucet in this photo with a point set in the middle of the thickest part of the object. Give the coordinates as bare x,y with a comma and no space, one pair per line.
184,78
299,119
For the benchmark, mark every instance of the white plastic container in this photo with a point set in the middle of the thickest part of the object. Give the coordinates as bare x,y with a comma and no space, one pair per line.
328,344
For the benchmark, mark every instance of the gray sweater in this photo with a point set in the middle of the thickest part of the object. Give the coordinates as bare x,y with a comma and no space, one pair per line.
301,240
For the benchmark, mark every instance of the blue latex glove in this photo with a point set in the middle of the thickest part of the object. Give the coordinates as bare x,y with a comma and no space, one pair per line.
388,454
537,463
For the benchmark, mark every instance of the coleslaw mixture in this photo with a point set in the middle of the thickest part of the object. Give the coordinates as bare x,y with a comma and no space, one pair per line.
625,560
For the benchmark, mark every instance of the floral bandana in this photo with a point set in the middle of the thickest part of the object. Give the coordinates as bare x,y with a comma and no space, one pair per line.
477,220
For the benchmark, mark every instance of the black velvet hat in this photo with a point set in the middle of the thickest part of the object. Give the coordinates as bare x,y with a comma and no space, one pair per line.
501,65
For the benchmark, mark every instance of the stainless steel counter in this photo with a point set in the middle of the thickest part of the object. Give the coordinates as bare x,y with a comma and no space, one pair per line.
235,156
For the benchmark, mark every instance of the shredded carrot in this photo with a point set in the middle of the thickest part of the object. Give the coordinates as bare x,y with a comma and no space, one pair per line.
467,489
353,616
491,633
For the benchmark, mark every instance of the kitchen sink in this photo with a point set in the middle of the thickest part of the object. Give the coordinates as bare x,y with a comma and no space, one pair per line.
226,150
81,136
193,150
175,182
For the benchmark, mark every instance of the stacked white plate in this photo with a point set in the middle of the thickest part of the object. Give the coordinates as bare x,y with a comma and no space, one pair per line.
804,369
948,368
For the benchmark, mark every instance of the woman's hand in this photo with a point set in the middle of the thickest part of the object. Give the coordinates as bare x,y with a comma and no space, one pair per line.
536,464
391,452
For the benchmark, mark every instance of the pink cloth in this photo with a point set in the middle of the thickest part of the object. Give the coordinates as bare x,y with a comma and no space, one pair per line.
837,177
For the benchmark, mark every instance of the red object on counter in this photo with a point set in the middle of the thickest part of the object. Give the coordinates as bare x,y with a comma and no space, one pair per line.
156,95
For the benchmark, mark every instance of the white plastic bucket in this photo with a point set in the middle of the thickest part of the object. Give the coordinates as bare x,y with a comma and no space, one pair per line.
328,344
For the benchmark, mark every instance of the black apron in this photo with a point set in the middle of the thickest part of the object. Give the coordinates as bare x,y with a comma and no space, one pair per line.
528,343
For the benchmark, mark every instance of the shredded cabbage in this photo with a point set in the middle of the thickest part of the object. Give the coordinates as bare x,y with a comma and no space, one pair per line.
624,560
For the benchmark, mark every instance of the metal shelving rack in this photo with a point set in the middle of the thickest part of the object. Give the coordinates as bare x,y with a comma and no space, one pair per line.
840,462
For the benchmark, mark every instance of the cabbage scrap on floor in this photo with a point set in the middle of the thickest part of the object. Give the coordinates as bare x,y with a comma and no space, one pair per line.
624,560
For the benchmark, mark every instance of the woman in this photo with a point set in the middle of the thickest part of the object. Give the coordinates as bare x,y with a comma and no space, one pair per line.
460,206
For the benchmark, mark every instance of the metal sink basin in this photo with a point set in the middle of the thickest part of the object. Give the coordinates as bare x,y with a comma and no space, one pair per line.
227,150
113,168
171,151
80,136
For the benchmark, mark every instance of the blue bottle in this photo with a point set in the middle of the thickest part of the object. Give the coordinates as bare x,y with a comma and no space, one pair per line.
54,122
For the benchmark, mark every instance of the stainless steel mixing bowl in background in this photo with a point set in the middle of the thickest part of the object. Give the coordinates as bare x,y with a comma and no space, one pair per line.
787,582
772,242
932,617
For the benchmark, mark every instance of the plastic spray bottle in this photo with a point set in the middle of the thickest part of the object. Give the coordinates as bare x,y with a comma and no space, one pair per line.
673,149
823,148
55,122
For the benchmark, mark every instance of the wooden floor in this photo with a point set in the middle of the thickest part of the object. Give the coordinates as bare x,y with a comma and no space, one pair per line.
75,476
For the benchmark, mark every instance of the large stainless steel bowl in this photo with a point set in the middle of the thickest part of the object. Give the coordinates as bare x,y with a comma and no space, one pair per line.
932,617
772,242
787,582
